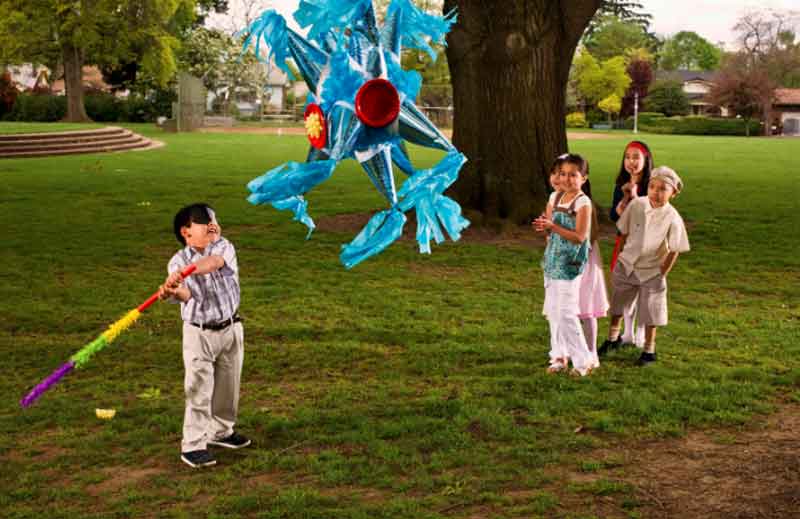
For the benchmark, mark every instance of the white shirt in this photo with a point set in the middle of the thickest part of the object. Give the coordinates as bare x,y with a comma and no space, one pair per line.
652,234
215,296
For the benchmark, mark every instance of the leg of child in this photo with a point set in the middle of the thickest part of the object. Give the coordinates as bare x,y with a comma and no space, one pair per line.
614,327
627,334
590,333
639,337
653,313
558,357
198,385
650,339
569,326
623,297
227,377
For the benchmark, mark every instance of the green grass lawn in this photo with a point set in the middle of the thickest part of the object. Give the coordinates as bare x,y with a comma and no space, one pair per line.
411,386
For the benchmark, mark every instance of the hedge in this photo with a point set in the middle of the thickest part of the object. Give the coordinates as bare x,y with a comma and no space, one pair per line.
698,125
99,107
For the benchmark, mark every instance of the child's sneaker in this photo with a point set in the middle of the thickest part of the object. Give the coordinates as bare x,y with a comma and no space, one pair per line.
646,358
607,345
234,441
197,459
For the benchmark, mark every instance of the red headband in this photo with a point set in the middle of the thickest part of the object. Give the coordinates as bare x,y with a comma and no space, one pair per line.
638,146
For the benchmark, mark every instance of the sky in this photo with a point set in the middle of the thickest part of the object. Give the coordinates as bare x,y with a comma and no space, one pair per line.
711,19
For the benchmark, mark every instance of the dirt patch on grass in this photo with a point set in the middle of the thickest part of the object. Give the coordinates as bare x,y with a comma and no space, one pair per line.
123,477
725,474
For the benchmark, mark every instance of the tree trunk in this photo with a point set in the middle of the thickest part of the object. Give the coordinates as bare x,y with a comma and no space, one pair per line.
509,64
73,83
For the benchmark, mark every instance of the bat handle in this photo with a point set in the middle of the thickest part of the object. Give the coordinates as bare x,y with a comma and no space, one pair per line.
185,273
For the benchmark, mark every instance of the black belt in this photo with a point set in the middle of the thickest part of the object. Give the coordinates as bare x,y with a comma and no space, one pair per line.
220,325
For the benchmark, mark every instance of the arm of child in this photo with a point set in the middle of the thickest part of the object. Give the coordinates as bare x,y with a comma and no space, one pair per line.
208,264
581,232
622,239
669,262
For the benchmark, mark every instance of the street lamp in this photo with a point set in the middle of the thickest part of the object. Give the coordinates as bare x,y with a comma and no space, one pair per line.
636,112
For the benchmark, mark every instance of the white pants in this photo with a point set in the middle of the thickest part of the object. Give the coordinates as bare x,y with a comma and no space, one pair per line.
213,364
566,334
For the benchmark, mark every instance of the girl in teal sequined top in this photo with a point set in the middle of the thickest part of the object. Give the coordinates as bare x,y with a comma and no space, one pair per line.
568,220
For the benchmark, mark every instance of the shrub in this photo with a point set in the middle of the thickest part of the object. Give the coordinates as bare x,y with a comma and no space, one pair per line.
595,116
103,108
38,108
647,117
576,120
695,125
668,98
8,93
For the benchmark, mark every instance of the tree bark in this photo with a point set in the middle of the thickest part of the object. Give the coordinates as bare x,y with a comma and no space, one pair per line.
509,64
73,83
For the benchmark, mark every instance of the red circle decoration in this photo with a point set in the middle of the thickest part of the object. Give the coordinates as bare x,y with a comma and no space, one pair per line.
316,128
377,103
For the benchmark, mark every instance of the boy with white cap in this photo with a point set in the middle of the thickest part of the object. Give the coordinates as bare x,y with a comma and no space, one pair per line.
653,234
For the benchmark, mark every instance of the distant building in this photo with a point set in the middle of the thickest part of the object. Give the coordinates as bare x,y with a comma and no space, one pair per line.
696,85
26,75
786,111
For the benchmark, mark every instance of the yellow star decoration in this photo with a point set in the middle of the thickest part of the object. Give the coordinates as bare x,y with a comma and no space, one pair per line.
313,125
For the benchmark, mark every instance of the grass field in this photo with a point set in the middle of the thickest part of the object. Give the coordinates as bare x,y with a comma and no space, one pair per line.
411,386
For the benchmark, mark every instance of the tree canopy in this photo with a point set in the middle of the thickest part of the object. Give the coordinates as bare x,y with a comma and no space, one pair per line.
613,36
599,80
109,33
688,50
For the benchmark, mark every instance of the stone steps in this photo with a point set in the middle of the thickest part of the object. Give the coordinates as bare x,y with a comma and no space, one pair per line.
101,140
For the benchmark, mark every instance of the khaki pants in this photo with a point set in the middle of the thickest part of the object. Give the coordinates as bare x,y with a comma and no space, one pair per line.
650,296
213,365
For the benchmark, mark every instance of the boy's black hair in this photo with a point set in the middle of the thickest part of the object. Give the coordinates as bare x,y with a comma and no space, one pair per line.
195,213
624,177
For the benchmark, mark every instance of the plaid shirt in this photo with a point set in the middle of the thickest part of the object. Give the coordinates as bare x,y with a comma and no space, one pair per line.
215,296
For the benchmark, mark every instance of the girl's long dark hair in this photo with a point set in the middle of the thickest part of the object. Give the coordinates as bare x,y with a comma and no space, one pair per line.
624,177
587,190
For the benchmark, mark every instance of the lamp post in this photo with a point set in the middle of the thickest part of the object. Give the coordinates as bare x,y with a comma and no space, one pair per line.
636,112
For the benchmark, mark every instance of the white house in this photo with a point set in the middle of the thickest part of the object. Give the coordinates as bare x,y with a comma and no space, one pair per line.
696,86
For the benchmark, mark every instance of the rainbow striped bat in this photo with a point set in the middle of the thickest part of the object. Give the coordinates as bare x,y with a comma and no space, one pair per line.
83,355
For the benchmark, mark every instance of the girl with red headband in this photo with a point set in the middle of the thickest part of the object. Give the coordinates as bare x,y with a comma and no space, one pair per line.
632,181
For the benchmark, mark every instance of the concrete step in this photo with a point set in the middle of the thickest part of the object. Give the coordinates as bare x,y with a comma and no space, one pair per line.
66,145
55,141
110,138
139,143
100,132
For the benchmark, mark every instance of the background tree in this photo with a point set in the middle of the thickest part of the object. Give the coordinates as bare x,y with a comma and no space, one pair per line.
596,81
667,97
768,52
688,50
122,75
613,36
744,89
509,63
611,105
769,42
640,70
106,32
623,10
